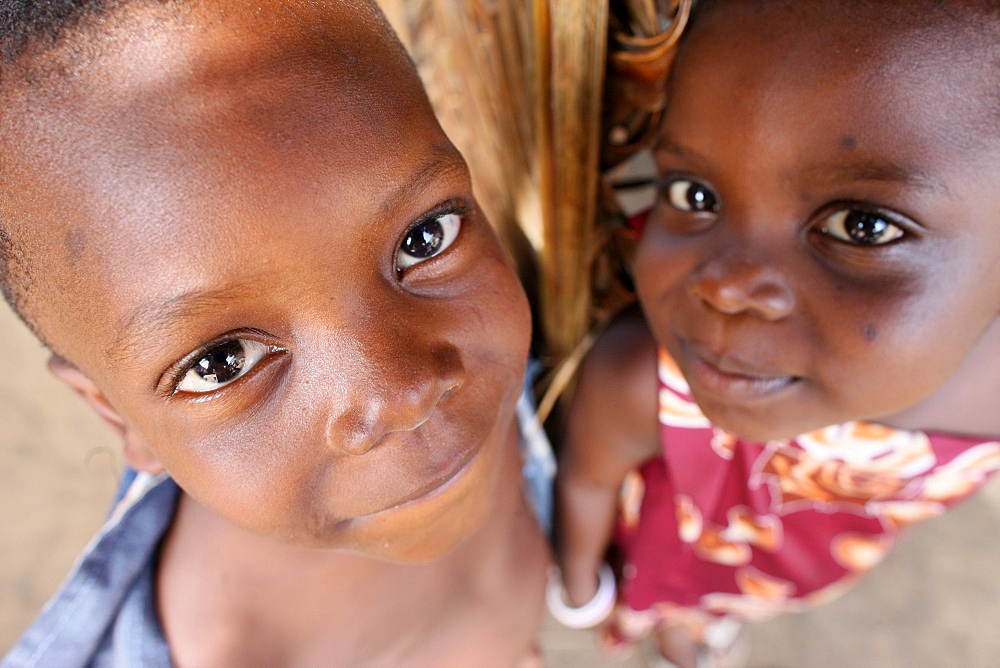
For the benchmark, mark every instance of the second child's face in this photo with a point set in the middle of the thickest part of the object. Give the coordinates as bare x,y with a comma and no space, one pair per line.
273,266
826,240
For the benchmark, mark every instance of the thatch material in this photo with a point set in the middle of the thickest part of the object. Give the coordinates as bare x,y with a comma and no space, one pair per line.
519,85
574,82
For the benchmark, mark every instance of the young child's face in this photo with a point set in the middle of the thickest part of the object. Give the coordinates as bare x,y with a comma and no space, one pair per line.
263,251
826,240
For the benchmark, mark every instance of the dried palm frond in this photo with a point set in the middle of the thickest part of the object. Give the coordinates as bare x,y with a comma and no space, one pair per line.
643,35
577,38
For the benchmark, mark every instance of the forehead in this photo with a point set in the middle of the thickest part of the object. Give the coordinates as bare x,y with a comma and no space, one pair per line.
163,77
912,82
881,25
210,125
937,49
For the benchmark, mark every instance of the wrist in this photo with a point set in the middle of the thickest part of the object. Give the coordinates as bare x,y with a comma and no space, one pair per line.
580,585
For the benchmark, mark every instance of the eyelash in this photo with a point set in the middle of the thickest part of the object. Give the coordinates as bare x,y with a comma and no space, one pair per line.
668,192
841,216
452,208
175,376
892,225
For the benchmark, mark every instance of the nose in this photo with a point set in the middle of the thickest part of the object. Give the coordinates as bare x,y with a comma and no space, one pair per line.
393,382
737,282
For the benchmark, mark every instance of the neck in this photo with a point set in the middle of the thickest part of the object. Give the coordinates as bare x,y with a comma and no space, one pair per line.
302,605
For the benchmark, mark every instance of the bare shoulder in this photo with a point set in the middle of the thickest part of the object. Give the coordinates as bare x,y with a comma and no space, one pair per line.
612,416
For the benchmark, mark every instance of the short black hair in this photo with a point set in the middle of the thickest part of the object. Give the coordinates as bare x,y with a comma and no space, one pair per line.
27,23
12,262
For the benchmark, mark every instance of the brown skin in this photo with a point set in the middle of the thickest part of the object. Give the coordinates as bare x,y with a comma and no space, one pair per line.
779,321
353,494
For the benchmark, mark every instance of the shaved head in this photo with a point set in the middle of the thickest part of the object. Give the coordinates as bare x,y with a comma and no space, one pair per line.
46,48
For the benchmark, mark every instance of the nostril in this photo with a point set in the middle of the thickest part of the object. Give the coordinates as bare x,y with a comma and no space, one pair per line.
354,430
400,398
774,301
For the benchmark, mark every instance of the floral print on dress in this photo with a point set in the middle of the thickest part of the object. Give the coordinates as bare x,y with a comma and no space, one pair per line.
720,527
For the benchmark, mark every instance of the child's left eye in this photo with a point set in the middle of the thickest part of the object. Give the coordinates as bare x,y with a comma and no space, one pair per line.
221,365
427,239
861,228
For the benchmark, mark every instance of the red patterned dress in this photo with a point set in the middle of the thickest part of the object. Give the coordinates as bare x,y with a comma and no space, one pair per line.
720,528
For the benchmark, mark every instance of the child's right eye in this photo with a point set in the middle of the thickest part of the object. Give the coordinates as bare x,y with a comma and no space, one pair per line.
221,364
689,195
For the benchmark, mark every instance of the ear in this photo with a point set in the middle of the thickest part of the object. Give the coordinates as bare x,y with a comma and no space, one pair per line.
137,453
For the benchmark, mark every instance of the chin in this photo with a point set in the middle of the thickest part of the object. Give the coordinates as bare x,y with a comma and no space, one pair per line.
411,539
753,428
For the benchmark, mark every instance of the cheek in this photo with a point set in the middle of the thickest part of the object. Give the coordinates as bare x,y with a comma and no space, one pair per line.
888,355
495,315
233,466
518,325
659,272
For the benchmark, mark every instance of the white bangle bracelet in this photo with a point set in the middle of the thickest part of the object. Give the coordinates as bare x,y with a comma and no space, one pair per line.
591,613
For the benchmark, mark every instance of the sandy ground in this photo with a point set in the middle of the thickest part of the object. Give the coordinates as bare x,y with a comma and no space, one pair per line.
935,602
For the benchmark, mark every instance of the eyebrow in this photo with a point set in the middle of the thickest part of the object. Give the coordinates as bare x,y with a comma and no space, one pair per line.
675,148
882,172
860,169
444,161
160,317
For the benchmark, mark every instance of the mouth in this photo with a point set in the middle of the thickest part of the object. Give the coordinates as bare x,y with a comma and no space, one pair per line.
441,475
436,488
729,378
427,499
450,486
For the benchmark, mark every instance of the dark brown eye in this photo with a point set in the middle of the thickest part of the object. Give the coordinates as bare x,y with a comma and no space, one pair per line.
222,364
424,241
861,228
688,195
428,239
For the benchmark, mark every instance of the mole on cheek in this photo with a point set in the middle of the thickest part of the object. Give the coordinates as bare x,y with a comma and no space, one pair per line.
76,243
869,332
849,142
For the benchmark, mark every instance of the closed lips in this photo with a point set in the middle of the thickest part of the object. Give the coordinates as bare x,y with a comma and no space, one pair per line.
732,378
